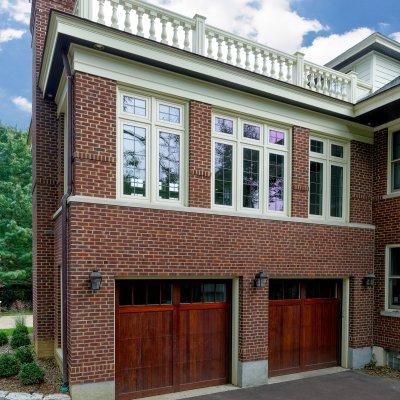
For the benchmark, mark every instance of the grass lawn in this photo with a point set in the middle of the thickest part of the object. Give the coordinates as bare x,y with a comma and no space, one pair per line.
14,313
8,332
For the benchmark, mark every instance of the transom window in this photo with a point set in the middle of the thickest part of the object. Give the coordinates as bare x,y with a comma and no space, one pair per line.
328,179
250,165
141,293
151,142
393,277
394,157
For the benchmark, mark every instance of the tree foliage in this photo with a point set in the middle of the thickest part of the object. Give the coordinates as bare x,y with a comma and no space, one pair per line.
15,207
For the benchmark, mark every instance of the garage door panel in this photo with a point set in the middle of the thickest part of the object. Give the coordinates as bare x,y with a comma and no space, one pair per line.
284,336
171,347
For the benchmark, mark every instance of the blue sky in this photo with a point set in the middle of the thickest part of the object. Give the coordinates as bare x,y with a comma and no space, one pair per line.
322,29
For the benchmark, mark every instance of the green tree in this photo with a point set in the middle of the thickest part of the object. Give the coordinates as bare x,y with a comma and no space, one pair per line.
15,207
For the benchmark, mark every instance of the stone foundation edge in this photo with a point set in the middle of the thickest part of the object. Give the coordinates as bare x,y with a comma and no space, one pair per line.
252,373
359,357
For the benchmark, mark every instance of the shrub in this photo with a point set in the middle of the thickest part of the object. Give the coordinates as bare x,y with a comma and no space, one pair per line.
24,355
3,338
31,374
20,325
8,365
19,339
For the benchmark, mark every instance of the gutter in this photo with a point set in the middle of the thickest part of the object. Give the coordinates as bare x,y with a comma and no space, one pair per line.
64,211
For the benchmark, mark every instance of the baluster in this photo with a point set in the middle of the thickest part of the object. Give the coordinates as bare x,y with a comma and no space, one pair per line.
210,50
247,51
307,83
319,82
114,17
152,31
325,85
281,64
186,42
128,26
164,37
345,92
238,55
220,39
256,64
100,15
312,79
340,87
229,58
140,12
175,26
331,85
265,56
289,74
273,65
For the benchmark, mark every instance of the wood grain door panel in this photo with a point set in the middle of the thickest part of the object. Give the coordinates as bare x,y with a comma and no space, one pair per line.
172,347
304,334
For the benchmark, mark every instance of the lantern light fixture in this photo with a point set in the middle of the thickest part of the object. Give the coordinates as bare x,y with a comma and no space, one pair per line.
260,280
95,281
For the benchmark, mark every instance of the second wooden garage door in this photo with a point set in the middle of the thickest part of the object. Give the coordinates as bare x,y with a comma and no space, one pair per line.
171,336
304,325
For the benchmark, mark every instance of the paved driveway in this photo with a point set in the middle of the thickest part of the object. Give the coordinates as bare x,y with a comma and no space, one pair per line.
7,321
341,386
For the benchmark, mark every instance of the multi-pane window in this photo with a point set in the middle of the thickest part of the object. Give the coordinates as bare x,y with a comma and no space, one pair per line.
250,165
395,161
151,149
327,178
394,277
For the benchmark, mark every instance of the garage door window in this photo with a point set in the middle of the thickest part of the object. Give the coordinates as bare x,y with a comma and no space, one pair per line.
142,294
284,289
198,292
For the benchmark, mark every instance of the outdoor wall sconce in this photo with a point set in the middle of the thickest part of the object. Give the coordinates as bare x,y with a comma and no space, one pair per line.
260,280
95,281
369,280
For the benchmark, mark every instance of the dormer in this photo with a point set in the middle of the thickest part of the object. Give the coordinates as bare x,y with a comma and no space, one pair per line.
376,60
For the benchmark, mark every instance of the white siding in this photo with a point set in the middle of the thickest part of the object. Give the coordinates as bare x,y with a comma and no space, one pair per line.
386,70
364,69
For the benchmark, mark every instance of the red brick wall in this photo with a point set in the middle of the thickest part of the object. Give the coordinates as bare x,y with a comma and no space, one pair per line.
95,136
387,220
122,241
361,174
200,155
300,166
44,152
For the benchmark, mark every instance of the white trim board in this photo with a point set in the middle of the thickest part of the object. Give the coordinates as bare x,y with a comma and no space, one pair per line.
168,207
136,76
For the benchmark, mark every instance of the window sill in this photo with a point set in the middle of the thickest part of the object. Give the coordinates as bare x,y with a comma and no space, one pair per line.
391,195
390,313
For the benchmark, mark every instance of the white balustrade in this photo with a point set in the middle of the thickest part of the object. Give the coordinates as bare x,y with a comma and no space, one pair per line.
193,34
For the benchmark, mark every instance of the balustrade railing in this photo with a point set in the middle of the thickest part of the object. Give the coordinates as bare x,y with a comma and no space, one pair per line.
194,35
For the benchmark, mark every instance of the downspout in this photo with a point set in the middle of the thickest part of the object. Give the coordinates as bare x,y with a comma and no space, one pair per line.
64,206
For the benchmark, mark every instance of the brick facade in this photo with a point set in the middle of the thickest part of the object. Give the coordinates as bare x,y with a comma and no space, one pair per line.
131,242
387,221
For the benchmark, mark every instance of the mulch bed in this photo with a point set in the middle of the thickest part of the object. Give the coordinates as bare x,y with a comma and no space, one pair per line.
381,371
51,384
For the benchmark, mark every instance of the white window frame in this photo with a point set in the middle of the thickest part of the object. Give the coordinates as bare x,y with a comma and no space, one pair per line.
327,160
239,142
388,306
390,189
154,126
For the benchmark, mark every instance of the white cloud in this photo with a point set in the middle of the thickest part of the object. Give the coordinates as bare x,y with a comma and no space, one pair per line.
22,103
395,36
325,48
19,10
271,22
10,34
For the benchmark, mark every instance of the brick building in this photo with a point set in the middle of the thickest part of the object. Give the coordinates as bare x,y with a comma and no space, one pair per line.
208,210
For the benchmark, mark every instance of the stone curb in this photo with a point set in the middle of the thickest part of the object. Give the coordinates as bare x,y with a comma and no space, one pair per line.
35,396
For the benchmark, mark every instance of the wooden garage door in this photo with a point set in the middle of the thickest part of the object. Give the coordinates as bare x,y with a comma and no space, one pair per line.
171,336
304,325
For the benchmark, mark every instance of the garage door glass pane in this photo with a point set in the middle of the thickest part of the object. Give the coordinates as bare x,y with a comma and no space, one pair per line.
139,294
220,292
320,289
209,293
186,293
125,294
284,289
153,293
166,293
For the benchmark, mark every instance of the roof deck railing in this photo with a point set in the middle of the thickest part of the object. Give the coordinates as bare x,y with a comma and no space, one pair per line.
194,35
